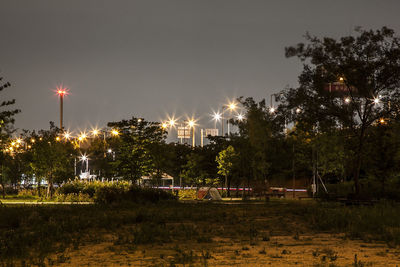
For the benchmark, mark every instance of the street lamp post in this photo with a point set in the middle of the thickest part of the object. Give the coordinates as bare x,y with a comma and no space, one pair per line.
217,117
61,92
231,107
191,125
85,160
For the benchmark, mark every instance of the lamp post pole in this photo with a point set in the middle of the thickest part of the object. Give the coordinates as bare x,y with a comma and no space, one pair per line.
61,110
61,92
294,174
192,124
193,140
222,121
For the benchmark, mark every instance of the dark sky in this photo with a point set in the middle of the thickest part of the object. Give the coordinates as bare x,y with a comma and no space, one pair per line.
152,58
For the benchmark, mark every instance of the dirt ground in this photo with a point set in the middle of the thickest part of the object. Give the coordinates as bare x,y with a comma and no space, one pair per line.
307,250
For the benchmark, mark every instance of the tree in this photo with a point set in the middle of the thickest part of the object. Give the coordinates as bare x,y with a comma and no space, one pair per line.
52,157
382,146
6,128
263,133
176,156
193,171
227,161
348,83
133,146
100,158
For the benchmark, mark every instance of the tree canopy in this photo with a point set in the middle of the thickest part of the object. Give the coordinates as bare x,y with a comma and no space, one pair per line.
351,83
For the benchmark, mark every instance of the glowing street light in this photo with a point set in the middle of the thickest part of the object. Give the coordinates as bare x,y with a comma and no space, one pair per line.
67,135
115,132
58,138
347,100
272,110
217,116
85,158
298,110
61,92
172,122
271,107
240,117
82,137
164,125
95,132
232,106
376,100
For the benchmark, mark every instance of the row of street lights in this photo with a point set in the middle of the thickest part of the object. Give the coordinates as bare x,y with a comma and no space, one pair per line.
191,123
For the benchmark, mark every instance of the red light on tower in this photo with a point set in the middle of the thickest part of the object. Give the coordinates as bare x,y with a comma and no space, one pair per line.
62,91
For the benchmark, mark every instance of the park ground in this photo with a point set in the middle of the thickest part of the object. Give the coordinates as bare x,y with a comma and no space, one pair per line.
274,233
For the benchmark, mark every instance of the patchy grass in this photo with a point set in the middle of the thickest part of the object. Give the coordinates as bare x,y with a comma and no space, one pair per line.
34,234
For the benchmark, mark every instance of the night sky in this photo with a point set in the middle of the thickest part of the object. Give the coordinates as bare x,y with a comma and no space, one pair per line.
153,58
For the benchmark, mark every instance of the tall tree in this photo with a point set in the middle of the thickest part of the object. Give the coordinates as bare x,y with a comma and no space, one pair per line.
176,156
133,146
348,83
227,161
52,157
6,128
261,130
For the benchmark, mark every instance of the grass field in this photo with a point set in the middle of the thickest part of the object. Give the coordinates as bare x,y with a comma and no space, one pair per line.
278,232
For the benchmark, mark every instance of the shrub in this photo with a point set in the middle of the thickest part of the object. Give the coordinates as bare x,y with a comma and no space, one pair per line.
72,197
108,192
28,193
369,189
189,194
11,190
73,187
133,193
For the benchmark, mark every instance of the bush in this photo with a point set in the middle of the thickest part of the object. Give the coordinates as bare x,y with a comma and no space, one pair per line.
189,194
77,186
72,197
73,187
133,193
369,189
11,190
108,192
28,193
